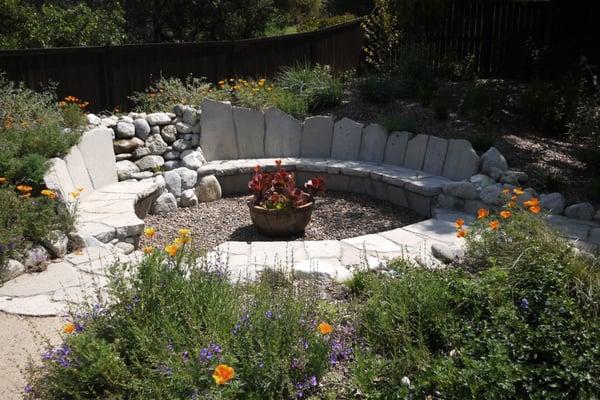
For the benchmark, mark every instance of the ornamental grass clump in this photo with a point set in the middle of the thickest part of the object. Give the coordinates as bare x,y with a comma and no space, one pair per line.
278,191
177,328
517,317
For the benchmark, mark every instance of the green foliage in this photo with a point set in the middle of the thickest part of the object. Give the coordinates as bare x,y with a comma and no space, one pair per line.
54,25
313,24
481,101
317,84
586,120
174,320
400,122
295,11
549,106
554,181
502,330
441,104
482,139
165,93
378,89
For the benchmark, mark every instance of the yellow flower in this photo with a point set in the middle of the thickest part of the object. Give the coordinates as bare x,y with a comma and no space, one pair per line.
69,328
459,223
148,250
48,193
482,213
180,241
494,225
183,232
149,232
506,191
223,374
505,214
172,249
325,328
75,194
518,191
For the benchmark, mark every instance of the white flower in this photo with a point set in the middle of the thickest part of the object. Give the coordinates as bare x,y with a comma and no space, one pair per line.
405,381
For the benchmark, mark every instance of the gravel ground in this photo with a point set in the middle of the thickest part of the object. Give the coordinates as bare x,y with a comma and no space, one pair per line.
335,216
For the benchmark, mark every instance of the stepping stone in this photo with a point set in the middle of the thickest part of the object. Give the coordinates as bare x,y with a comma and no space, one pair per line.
56,276
323,248
35,306
435,230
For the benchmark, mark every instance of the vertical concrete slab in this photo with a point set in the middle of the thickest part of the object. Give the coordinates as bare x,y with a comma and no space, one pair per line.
78,171
346,139
415,152
317,135
217,140
57,178
395,148
96,147
250,132
435,156
462,161
372,145
283,134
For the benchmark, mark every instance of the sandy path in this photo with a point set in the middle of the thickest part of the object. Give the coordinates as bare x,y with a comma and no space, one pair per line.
20,339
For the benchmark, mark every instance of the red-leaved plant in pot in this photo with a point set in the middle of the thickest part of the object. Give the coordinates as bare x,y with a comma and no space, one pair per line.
278,207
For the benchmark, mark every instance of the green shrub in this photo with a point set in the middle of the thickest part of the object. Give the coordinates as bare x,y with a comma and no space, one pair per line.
441,105
165,93
499,327
313,24
290,103
173,321
548,106
317,84
481,101
554,181
378,89
400,122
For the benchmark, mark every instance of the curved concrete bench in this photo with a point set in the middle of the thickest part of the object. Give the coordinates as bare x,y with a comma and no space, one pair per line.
399,167
106,208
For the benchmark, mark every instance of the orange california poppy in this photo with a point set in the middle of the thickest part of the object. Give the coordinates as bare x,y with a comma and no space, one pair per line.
24,188
172,249
505,214
461,233
148,250
494,225
535,209
482,213
506,190
459,223
69,328
518,191
512,204
532,202
223,374
2,180
149,232
325,328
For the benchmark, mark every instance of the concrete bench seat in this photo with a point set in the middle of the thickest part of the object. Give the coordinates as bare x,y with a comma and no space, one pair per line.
105,209
399,185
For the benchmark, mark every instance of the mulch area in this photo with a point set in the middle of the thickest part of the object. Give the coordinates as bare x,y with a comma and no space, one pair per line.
335,216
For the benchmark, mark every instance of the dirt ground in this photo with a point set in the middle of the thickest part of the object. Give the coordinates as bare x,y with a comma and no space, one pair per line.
23,339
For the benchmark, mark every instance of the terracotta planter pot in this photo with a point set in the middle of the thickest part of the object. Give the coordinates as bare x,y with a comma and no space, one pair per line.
275,223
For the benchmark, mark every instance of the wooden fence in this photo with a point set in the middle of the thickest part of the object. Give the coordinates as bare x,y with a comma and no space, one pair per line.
106,76
506,36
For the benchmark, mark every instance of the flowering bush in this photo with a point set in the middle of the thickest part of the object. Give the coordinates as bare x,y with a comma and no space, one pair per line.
277,190
178,328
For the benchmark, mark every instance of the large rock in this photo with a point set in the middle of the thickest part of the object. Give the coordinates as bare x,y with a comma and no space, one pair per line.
125,169
445,253
150,163
583,211
141,152
462,161
208,189
415,152
317,135
36,259
181,145
188,198
142,128
172,164
435,155
192,159
395,149
160,118
188,178
172,155
127,145
553,202
125,130
12,270
346,139
372,145
218,140
493,158
190,116
183,128
480,181
450,202
97,151
57,243
169,133
165,203
283,134
93,120
173,182
156,145
514,177
463,190
493,195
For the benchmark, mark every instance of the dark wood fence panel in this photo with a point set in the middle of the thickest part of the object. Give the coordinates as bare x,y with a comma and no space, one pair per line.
106,76
504,35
